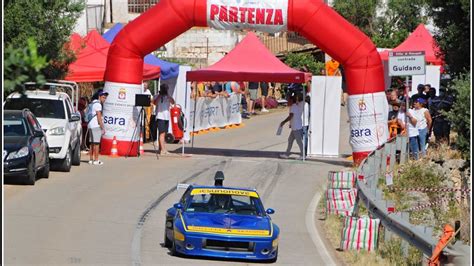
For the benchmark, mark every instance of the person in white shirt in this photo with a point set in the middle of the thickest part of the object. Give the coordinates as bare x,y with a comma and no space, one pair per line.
96,128
296,125
423,117
412,129
163,102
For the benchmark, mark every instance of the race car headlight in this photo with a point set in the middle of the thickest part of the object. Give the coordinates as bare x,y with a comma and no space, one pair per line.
18,154
178,235
57,131
275,243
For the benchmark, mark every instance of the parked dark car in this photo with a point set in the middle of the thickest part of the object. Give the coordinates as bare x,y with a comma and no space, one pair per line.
25,152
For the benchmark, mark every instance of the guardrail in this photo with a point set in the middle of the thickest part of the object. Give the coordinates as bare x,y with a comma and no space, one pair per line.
374,167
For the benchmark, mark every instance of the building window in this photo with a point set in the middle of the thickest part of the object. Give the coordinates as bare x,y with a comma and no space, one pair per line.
140,6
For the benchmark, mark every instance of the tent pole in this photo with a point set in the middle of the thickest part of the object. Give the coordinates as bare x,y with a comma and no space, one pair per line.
185,108
304,120
194,116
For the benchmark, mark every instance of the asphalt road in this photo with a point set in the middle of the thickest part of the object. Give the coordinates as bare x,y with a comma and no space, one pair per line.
114,214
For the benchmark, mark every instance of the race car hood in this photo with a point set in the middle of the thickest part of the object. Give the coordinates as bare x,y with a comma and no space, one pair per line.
227,221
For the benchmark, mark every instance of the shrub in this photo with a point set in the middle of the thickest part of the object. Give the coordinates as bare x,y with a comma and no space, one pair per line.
460,114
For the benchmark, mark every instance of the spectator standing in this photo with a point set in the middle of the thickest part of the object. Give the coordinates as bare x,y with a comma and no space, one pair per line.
423,124
332,68
296,125
392,97
253,92
264,93
393,125
411,128
82,107
96,127
148,111
163,103
441,125
420,88
345,95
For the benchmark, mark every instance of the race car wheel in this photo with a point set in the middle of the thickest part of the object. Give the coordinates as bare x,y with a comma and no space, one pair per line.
76,154
167,242
173,249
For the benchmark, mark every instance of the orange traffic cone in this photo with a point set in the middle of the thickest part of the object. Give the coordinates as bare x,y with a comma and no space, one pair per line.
142,151
114,150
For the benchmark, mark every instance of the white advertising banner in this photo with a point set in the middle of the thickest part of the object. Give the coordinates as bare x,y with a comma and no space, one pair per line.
215,112
262,15
368,115
325,116
432,77
120,113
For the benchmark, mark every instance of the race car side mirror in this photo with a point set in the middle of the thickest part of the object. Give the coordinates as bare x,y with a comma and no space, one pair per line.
178,206
270,211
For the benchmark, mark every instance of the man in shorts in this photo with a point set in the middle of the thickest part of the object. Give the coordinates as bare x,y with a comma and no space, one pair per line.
253,91
264,89
96,128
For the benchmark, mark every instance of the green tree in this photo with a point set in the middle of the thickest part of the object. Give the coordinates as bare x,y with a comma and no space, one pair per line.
21,65
397,21
50,23
452,18
361,13
304,61
387,25
460,114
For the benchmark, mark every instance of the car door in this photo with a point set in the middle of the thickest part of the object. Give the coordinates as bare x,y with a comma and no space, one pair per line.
44,142
73,126
37,143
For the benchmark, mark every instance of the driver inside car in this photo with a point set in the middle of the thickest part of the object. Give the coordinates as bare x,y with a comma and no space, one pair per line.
221,203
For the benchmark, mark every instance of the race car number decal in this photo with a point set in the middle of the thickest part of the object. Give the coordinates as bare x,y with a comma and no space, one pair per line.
199,191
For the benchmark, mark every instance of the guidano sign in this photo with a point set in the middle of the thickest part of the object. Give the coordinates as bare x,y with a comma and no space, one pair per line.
406,63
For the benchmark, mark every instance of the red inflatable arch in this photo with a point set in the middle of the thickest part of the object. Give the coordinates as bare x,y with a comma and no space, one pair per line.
311,18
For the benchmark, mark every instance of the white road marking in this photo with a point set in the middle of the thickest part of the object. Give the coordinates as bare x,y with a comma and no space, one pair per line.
311,227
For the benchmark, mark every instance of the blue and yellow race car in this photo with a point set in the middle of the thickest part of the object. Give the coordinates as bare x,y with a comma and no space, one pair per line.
222,222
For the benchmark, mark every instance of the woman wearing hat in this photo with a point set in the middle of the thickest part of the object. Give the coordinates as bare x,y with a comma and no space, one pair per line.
423,119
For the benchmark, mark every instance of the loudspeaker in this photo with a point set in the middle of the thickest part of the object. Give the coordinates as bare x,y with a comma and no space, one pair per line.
142,100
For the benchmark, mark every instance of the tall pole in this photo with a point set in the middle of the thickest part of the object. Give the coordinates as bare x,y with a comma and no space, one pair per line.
407,102
194,115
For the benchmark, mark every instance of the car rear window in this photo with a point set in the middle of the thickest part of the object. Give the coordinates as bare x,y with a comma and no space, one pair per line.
15,127
42,108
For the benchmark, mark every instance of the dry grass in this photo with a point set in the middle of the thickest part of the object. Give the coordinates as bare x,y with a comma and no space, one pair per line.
442,152
332,229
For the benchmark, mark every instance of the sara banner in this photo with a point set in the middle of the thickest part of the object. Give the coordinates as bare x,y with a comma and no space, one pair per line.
368,115
215,112
120,113
262,15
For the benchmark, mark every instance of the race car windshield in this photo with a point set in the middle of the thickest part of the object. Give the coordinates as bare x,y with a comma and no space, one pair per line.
222,203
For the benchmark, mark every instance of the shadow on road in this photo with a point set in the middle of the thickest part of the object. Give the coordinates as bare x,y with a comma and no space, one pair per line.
258,154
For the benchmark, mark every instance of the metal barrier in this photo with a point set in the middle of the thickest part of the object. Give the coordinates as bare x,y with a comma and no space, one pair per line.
375,166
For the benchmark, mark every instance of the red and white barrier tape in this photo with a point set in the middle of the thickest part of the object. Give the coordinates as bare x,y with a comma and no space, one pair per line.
430,204
423,189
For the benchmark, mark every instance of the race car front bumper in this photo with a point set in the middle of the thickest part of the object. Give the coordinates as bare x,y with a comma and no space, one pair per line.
208,245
